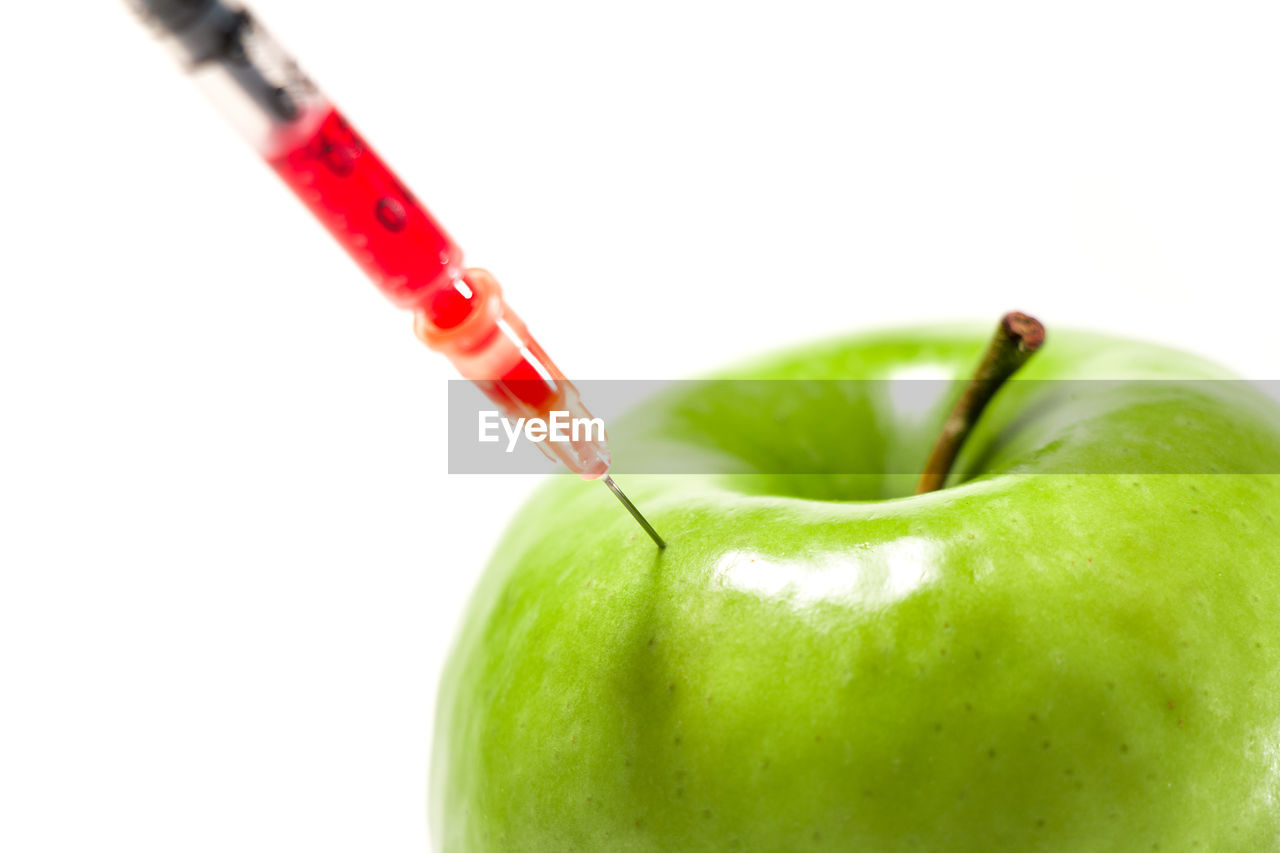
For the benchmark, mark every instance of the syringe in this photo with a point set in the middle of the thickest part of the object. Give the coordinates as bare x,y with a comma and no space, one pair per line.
458,312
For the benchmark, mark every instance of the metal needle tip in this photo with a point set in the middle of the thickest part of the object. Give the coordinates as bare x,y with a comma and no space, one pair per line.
635,513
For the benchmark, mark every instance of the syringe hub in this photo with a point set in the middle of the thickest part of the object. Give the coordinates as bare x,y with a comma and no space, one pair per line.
490,345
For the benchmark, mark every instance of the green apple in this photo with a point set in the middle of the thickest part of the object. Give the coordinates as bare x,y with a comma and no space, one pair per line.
1022,661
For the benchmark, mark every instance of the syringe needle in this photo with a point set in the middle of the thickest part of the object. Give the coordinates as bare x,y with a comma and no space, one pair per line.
635,513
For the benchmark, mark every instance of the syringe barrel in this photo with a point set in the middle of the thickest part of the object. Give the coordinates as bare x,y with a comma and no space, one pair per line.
345,184
383,227
253,82
367,209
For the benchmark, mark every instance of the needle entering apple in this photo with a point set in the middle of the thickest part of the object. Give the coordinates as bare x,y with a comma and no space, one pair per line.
635,513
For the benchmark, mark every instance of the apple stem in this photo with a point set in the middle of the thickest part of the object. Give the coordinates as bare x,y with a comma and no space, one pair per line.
1016,338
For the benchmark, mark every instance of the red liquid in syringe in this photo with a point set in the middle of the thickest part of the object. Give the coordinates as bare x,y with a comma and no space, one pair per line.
393,238
402,248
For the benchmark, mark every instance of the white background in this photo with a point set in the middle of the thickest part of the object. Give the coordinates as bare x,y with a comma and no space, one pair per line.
231,560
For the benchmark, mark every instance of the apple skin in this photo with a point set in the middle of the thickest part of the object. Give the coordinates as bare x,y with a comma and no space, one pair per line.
1018,662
